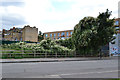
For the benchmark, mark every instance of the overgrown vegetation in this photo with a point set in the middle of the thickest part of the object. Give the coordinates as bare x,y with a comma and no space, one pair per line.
90,34
46,46
40,36
66,43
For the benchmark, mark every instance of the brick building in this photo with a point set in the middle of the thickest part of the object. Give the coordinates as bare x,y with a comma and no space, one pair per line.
21,34
30,34
58,34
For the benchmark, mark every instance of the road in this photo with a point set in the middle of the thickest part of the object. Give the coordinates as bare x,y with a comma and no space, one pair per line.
69,69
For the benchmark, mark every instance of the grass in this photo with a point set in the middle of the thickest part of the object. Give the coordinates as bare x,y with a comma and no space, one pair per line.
6,49
11,52
114,79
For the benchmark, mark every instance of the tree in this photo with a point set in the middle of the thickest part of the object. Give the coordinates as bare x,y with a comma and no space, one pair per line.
90,34
40,36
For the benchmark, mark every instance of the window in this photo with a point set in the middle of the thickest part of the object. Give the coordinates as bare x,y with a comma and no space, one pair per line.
51,35
63,33
116,22
67,33
46,35
58,34
71,33
54,34
21,39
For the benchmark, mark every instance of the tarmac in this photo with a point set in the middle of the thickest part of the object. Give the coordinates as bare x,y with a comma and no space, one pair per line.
28,60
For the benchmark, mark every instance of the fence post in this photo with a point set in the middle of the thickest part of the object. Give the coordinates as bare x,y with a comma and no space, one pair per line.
10,55
56,55
75,54
34,53
45,55
22,54
65,53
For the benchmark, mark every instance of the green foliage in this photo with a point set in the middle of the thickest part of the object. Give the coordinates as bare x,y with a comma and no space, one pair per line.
40,36
15,46
114,79
90,34
66,43
48,46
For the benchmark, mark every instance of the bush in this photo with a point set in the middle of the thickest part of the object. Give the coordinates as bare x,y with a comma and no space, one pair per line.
66,43
46,46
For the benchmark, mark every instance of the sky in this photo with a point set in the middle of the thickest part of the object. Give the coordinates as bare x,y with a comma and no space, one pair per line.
51,15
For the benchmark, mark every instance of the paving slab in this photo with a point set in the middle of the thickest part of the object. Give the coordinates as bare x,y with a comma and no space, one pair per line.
26,60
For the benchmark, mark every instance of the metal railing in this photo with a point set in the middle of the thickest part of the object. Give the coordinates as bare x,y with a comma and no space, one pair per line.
35,54
42,54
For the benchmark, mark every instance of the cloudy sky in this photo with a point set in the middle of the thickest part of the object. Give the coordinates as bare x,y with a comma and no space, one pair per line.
51,15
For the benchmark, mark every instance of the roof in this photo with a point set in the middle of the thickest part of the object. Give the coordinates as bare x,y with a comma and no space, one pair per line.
57,31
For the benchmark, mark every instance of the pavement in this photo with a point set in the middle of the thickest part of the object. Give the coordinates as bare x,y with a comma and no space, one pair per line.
27,60
71,69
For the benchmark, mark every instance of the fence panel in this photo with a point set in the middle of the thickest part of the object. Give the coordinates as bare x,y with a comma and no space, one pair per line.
41,54
34,54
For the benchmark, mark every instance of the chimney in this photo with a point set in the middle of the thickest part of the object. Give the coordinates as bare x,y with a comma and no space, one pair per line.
3,30
13,27
34,27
